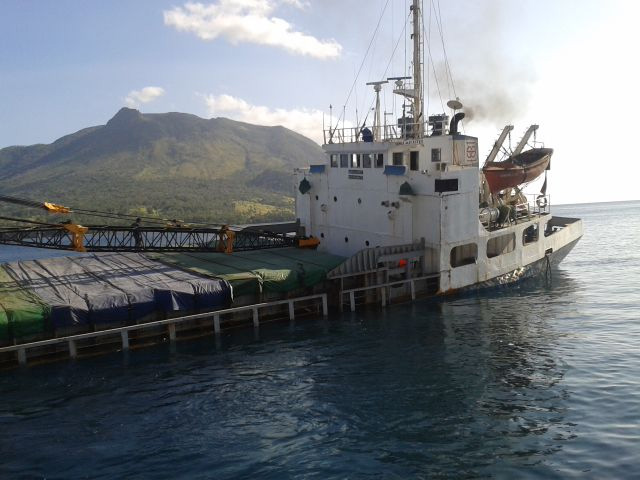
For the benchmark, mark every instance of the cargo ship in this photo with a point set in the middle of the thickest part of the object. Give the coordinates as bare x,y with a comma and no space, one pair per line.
396,212
414,192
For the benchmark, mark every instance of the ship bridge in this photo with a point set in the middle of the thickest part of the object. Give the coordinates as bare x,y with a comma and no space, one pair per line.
405,130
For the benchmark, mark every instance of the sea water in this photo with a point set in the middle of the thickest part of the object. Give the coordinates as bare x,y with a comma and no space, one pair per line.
539,380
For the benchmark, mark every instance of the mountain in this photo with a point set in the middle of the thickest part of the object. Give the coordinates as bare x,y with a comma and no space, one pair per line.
173,165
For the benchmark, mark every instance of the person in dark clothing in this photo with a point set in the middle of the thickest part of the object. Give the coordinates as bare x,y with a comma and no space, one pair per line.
367,135
137,234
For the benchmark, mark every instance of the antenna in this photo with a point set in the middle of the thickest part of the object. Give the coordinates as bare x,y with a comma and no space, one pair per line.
399,83
454,104
377,86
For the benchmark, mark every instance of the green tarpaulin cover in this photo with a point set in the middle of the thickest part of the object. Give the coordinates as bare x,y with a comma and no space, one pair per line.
278,270
4,325
22,313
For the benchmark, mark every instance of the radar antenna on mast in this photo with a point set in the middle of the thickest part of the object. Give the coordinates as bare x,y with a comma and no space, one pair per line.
377,86
454,104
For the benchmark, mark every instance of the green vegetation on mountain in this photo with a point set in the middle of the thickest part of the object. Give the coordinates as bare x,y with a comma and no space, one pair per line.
170,165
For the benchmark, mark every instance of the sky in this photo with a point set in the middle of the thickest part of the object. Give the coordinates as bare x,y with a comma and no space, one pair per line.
569,66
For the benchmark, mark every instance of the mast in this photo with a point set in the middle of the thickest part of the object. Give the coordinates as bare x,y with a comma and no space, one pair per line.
414,94
417,68
377,86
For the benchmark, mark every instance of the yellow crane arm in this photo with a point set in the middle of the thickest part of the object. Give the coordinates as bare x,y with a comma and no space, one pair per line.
54,208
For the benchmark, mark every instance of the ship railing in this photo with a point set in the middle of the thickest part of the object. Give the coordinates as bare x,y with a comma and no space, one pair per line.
170,323
538,204
527,207
532,205
385,133
383,289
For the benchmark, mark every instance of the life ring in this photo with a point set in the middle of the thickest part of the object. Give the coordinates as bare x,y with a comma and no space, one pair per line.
541,201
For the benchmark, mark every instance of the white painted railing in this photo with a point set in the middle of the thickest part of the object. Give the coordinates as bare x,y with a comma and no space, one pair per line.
171,323
383,289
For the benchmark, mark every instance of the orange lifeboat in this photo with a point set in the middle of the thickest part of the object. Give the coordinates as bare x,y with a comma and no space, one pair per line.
518,169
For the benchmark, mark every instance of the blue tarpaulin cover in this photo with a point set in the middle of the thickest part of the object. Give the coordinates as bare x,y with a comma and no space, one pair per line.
115,287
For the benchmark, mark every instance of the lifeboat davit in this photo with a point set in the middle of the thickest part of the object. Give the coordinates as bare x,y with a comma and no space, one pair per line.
517,169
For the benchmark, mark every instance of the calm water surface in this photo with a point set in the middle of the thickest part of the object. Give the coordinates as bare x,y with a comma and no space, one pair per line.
536,381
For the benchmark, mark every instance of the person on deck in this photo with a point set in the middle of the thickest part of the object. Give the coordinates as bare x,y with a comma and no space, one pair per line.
367,135
137,234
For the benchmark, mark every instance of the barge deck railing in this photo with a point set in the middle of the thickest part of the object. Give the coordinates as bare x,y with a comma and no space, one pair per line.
21,349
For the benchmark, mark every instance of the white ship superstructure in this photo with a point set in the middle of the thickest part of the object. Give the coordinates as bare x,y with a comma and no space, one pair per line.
411,199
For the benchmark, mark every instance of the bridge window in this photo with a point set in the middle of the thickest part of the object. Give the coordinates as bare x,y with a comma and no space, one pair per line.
464,255
334,160
530,234
500,245
379,160
446,185
366,160
414,160
398,158
355,161
435,154
344,160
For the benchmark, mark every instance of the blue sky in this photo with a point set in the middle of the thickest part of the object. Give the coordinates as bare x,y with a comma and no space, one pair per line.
69,64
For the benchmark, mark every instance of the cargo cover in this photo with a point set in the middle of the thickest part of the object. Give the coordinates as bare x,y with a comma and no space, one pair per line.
115,287
279,270
22,313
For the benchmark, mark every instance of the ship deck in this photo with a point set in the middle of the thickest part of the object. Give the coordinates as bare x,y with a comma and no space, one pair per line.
41,300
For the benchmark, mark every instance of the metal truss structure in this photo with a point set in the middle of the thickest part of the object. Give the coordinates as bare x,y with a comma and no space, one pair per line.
144,239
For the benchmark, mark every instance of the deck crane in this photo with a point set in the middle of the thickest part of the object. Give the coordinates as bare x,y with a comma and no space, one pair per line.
498,144
164,236
525,138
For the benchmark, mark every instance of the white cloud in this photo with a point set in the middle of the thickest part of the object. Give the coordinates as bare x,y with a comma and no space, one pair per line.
304,121
296,3
249,21
146,95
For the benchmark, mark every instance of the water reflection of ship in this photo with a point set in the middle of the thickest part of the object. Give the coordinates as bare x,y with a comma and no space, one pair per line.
518,357
453,378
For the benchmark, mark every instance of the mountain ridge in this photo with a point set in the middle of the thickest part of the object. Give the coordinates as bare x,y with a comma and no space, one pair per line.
166,163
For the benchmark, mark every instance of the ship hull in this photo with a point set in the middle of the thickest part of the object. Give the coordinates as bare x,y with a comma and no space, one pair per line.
541,266
519,169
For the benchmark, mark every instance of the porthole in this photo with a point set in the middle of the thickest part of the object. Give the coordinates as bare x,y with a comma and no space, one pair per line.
346,239
335,199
